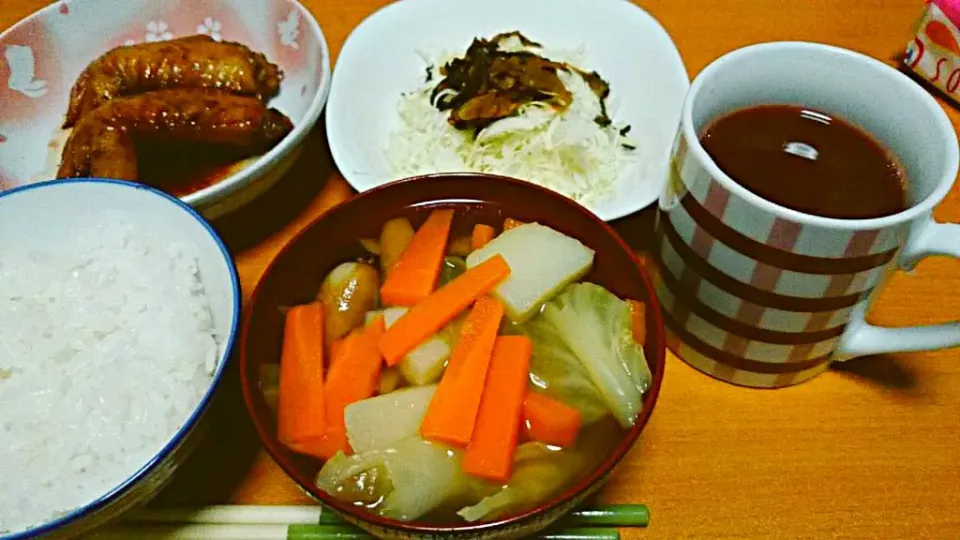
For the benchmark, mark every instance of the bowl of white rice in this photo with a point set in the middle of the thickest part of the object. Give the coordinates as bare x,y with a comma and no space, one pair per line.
118,311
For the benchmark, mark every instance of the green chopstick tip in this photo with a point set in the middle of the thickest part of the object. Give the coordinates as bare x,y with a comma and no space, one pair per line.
327,517
614,515
348,532
586,533
597,523
325,532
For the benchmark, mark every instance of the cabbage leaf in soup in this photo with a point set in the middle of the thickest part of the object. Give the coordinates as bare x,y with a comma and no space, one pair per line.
540,471
404,482
452,268
597,327
556,370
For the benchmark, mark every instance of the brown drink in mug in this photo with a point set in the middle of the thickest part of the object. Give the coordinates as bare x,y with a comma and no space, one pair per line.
801,176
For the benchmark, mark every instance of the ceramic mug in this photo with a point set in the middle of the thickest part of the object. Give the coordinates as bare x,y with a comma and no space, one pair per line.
760,295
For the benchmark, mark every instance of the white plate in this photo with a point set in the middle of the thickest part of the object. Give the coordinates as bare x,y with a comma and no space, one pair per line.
623,43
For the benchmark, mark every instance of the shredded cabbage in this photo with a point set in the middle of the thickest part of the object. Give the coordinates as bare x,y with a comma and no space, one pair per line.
566,152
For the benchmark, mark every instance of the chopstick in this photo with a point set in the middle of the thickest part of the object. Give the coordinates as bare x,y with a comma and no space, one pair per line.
616,515
612,515
238,514
244,522
293,532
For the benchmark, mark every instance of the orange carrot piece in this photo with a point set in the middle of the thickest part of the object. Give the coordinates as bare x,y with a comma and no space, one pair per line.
352,377
494,440
415,275
482,234
335,348
510,223
452,412
549,420
301,408
324,447
434,312
638,315
332,440
477,333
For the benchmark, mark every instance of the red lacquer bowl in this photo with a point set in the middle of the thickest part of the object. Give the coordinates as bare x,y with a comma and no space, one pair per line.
296,273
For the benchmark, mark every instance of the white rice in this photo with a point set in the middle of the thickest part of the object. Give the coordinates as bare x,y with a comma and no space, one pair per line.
105,350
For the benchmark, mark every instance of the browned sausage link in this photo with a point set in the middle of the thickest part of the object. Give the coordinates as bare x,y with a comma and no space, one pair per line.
190,62
102,141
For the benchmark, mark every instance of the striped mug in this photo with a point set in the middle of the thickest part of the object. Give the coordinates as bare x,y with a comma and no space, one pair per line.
760,295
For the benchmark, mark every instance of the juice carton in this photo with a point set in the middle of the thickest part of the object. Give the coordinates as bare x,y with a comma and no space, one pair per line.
934,53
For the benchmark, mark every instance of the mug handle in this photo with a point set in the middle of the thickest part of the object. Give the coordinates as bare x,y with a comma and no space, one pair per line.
862,339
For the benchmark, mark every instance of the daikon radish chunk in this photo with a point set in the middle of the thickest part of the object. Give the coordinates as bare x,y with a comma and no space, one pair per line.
381,422
423,365
542,261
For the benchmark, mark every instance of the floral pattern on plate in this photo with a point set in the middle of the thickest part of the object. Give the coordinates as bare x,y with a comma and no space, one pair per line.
42,56
210,27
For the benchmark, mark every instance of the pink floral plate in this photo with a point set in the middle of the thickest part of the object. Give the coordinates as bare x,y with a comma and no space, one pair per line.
42,55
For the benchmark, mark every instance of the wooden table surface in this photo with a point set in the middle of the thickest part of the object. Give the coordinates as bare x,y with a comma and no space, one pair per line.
869,450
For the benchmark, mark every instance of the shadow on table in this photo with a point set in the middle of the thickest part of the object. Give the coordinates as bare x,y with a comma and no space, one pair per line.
225,454
897,59
264,216
637,229
886,371
221,461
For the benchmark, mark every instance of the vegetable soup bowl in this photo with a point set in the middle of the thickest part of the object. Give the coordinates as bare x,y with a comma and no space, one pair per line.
295,276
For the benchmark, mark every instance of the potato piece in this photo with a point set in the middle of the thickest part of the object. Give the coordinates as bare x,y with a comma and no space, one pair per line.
394,237
347,293
423,365
460,246
542,261
389,380
391,315
269,384
371,315
372,245
379,423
